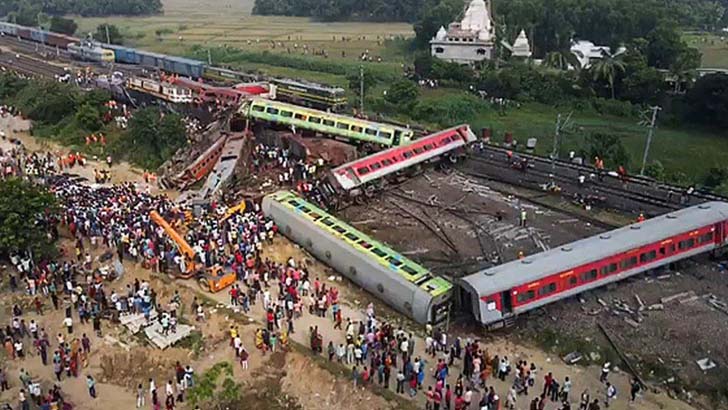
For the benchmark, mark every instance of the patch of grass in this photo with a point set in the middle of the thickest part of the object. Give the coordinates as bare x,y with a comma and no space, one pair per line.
713,47
691,151
194,342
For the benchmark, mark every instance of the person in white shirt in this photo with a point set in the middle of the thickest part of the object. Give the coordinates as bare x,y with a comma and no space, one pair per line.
68,322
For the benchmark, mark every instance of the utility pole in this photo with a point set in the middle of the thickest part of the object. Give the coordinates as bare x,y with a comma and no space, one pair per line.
209,57
650,133
108,38
560,126
361,90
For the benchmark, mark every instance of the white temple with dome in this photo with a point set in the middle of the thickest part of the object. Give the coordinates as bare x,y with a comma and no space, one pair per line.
468,41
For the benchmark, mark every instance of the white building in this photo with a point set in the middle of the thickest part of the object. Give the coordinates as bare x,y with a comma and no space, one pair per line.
587,53
467,41
521,48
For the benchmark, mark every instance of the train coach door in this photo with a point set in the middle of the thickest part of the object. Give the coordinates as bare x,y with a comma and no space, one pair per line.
397,137
507,306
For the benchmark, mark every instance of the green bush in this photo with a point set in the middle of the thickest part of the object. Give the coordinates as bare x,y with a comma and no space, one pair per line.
615,107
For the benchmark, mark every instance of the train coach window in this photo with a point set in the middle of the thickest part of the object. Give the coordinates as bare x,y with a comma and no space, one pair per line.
419,150
572,281
648,256
299,116
708,237
686,244
386,162
315,120
339,229
376,166
328,222
352,237
356,128
524,297
628,263
589,276
387,135
407,154
271,110
328,123
286,114
341,126
607,269
394,261
429,147
293,202
545,290
370,131
409,270
362,170
258,108
378,252
365,244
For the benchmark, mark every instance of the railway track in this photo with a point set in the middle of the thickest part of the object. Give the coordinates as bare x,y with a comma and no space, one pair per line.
26,47
29,66
633,183
593,191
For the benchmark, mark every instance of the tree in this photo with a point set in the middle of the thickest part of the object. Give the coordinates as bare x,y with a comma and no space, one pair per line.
562,60
88,117
683,68
435,14
153,137
356,79
707,101
608,147
607,69
114,35
63,25
403,92
25,209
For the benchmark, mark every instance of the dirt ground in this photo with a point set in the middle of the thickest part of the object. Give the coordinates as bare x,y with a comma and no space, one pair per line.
468,223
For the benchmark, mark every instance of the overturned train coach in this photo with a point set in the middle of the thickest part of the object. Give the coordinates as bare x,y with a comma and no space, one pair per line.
403,284
502,292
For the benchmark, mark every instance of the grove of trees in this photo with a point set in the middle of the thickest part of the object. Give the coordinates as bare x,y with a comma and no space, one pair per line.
26,12
25,213
554,21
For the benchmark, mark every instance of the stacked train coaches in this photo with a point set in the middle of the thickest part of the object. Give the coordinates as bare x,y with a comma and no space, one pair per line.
351,129
403,284
502,292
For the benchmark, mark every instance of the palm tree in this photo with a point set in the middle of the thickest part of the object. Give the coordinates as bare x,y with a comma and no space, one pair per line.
562,60
607,69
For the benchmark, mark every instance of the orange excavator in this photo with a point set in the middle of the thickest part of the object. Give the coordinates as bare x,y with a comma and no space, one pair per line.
212,279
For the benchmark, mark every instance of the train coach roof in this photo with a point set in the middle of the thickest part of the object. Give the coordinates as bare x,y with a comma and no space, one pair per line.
595,248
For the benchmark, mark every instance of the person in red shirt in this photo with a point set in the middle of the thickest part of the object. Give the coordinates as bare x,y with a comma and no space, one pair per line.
547,381
430,396
448,397
459,403
436,400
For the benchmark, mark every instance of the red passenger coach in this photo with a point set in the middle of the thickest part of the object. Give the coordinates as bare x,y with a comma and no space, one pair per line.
370,168
516,287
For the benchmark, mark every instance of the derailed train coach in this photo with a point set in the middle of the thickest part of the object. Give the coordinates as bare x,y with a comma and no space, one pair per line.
401,283
498,294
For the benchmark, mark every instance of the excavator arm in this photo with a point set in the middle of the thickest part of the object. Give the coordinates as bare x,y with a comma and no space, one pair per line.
181,243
